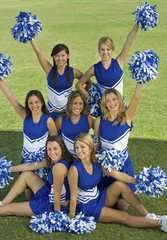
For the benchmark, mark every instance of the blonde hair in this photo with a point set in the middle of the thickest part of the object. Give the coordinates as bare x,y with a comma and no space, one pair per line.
107,40
121,109
88,140
71,98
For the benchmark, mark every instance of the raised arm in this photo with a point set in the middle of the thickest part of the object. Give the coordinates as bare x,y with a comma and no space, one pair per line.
130,111
124,53
84,80
42,60
73,183
59,173
52,127
28,166
16,105
119,176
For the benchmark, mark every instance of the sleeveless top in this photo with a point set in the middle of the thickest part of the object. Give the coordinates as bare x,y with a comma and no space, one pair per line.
87,184
58,95
109,78
70,131
65,192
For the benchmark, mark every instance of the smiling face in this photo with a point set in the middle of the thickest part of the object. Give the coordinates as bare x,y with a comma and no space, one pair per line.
54,151
82,150
34,104
61,58
77,106
112,103
105,52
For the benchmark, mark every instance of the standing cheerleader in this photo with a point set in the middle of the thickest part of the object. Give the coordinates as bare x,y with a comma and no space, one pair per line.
84,176
113,130
109,71
37,125
51,196
76,120
60,77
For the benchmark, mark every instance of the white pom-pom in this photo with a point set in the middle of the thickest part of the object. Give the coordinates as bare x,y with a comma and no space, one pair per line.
111,158
5,173
5,68
144,66
146,17
27,26
82,224
151,181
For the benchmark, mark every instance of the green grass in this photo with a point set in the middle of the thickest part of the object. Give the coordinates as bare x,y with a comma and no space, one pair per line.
79,24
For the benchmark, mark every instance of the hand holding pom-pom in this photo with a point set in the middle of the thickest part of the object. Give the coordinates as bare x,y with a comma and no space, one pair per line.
27,26
146,17
144,66
151,182
4,172
5,64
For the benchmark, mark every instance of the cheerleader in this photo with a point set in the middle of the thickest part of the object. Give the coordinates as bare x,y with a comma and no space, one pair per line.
51,196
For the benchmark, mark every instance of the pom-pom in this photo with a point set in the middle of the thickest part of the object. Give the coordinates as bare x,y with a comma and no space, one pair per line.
94,102
5,173
111,158
146,17
5,64
27,26
151,181
50,222
82,224
144,66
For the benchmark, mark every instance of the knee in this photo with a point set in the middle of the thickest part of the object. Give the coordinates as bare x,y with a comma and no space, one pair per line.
123,217
27,174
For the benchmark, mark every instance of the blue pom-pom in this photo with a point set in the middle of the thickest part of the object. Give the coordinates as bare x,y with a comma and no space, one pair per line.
5,68
111,158
82,224
5,173
27,26
146,17
50,222
144,66
95,101
151,181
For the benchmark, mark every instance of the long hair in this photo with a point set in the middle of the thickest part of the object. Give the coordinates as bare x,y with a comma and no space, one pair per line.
88,140
39,95
71,98
65,153
121,109
58,48
106,40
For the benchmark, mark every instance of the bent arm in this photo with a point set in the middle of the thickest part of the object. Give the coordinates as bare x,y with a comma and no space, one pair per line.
41,58
16,105
59,173
85,80
73,183
96,131
91,122
130,111
119,176
52,127
58,123
28,166
124,53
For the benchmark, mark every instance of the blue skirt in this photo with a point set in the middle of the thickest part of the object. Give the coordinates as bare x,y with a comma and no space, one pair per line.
93,207
40,203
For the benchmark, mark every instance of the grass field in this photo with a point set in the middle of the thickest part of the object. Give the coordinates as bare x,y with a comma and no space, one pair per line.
79,25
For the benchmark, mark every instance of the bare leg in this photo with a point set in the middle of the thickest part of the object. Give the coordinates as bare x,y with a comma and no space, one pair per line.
17,209
25,179
117,188
28,194
116,216
122,205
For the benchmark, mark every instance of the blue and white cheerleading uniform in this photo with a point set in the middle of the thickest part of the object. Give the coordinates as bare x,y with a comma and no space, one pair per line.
58,94
35,136
116,137
70,131
43,200
91,200
109,78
